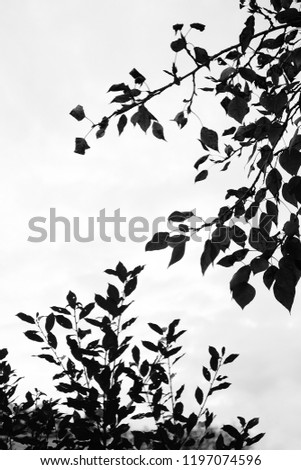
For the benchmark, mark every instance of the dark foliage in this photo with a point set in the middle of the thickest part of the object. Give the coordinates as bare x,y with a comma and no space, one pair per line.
259,89
106,382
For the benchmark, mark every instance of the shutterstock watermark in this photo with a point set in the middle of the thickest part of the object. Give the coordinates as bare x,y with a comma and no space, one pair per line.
104,227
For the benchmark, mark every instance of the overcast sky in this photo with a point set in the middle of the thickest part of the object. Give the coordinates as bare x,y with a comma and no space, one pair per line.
56,55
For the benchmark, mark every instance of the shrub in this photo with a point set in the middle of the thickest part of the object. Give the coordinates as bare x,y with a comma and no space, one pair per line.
106,384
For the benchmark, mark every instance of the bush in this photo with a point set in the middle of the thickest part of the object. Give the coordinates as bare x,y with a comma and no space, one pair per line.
105,386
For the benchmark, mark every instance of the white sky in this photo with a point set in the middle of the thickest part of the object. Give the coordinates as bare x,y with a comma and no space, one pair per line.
58,54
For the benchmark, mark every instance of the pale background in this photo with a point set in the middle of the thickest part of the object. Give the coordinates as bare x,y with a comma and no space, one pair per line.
56,54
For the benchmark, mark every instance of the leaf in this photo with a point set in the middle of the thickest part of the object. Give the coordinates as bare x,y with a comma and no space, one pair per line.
209,254
118,87
243,294
198,26
33,335
229,260
121,271
49,323
178,45
259,264
158,242
290,16
86,310
232,431
26,318
226,166
284,288
274,181
199,395
290,160
81,146
272,210
130,286
213,352
231,358
61,310
173,351
255,439
78,113
52,341
64,322
143,118
209,138
47,357
201,176
178,216
229,131
136,354
137,76
158,130
109,340
122,123
238,108
101,301
179,392
242,275
206,374
71,299
247,33
3,354
180,119
177,27
113,293
269,276
200,161
252,423
238,235
201,56
221,386
150,346
156,328
191,422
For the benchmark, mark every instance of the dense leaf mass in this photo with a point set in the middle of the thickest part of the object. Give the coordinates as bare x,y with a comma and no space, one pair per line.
101,389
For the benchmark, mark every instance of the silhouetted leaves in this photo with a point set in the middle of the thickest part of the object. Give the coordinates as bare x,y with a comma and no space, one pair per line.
201,56
198,26
231,358
158,242
179,44
26,318
199,395
180,119
273,181
130,286
150,346
209,138
71,299
201,176
285,287
63,321
122,123
34,336
3,354
238,108
78,113
247,33
137,76
209,254
81,146
158,130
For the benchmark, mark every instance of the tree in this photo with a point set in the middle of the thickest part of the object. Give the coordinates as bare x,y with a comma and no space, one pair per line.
257,79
